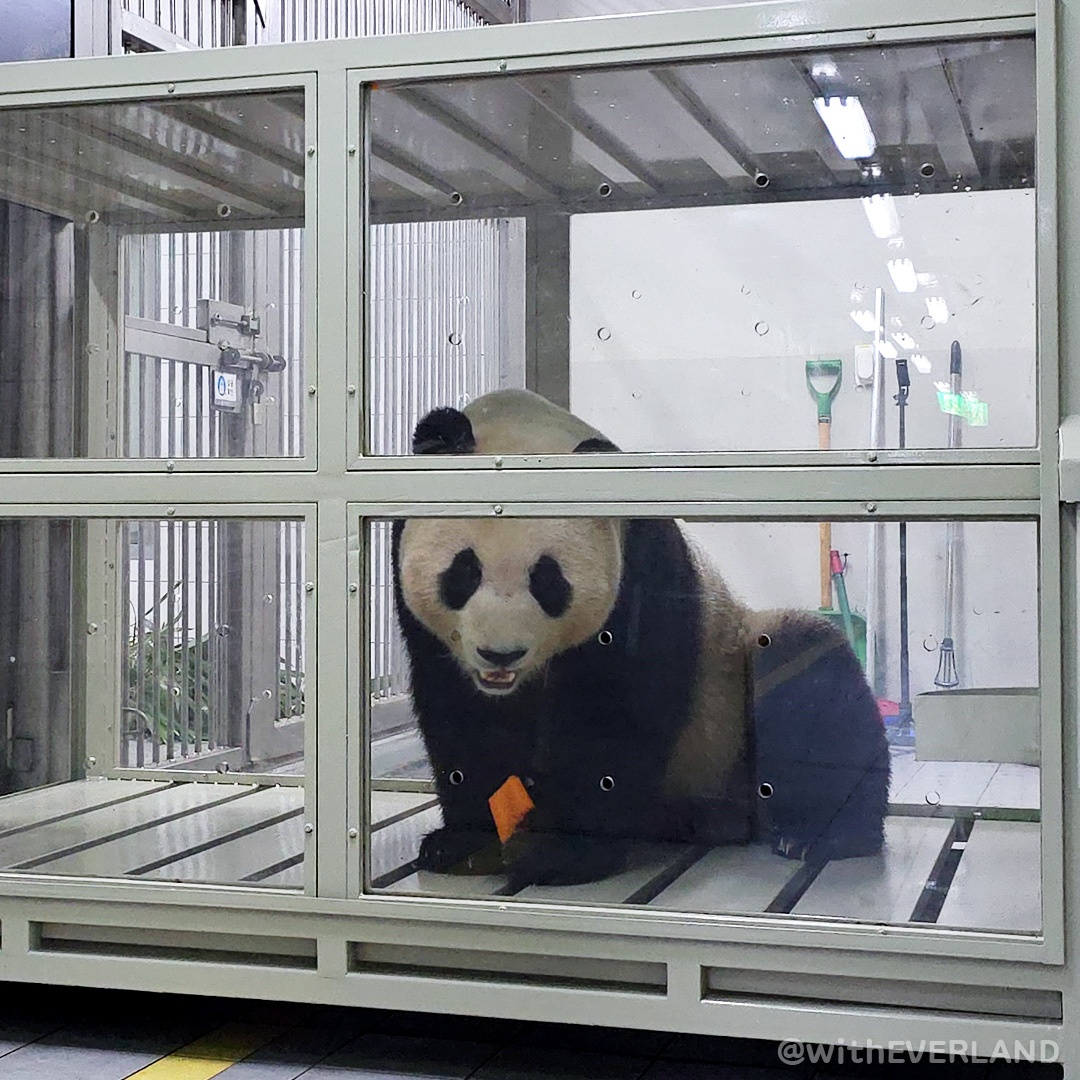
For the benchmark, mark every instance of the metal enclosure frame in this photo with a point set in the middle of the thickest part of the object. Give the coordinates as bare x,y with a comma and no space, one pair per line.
304,946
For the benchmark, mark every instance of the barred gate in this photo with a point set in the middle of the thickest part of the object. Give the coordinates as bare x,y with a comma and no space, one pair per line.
435,339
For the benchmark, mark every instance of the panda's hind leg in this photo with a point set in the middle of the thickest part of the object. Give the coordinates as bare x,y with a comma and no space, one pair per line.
822,755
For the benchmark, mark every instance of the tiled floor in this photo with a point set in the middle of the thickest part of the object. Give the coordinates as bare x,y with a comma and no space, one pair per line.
50,1033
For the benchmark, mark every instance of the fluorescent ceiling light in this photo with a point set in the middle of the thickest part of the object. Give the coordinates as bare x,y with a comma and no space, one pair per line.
903,274
848,125
905,341
881,213
938,309
928,281
887,349
866,320
921,363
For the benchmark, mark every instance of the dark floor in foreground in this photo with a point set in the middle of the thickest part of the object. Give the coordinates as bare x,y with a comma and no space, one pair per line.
50,1033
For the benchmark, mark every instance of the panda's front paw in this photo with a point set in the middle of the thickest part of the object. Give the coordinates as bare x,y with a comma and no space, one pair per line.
790,848
820,849
537,858
460,851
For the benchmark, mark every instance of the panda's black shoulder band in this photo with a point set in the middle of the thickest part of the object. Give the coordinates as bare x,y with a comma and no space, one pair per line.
596,446
444,431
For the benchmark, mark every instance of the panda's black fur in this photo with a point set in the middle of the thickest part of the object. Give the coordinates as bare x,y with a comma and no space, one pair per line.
593,737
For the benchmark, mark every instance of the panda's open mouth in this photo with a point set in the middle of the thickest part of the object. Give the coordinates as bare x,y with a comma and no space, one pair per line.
500,680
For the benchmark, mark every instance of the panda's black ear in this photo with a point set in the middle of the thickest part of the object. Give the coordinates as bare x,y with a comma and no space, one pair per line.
444,431
596,446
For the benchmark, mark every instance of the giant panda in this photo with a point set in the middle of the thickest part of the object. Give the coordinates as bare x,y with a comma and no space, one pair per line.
605,666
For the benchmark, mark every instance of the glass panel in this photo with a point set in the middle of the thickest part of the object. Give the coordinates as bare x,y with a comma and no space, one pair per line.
35,29
716,255
723,725
200,203
207,680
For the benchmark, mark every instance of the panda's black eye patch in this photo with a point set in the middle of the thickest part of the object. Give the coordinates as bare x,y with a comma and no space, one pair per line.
460,579
551,590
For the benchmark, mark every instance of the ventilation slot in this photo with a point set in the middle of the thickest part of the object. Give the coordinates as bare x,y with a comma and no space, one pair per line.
640,977
1008,1003
189,945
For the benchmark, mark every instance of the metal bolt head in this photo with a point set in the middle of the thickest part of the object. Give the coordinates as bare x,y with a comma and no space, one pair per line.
352,391
92,628
871,34
171,88
311,391
353,587
498,463
496,509
309,586
352,151
871,508
91,762
872,456
170,465
503,65
311,151
308,827
354,833
170,511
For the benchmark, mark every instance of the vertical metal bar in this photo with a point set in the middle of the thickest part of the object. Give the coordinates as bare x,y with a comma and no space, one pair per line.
394,240
168,640
187,642
137,637
153,614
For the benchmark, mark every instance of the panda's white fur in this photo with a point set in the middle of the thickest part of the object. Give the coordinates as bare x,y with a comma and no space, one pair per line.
521,422
715,738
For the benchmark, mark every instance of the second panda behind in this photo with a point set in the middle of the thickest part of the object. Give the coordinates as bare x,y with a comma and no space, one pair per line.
604,666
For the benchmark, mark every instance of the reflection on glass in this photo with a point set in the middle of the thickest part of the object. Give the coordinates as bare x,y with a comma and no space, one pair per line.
663,249
35,29
677,715
195,670
200,202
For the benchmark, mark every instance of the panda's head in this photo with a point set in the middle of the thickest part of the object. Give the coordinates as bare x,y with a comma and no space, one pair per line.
504,596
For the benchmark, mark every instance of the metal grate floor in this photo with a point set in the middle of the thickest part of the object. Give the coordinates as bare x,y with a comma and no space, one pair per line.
953,828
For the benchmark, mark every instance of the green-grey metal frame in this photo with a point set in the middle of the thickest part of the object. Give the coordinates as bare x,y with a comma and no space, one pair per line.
336,490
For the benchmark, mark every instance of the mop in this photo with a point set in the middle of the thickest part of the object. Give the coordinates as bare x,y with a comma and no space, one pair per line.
947,677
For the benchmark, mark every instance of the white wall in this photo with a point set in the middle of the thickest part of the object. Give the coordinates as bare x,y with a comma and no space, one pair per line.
775,564
686,296
680,294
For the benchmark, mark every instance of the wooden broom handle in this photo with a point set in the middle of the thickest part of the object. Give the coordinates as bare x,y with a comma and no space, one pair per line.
825,528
